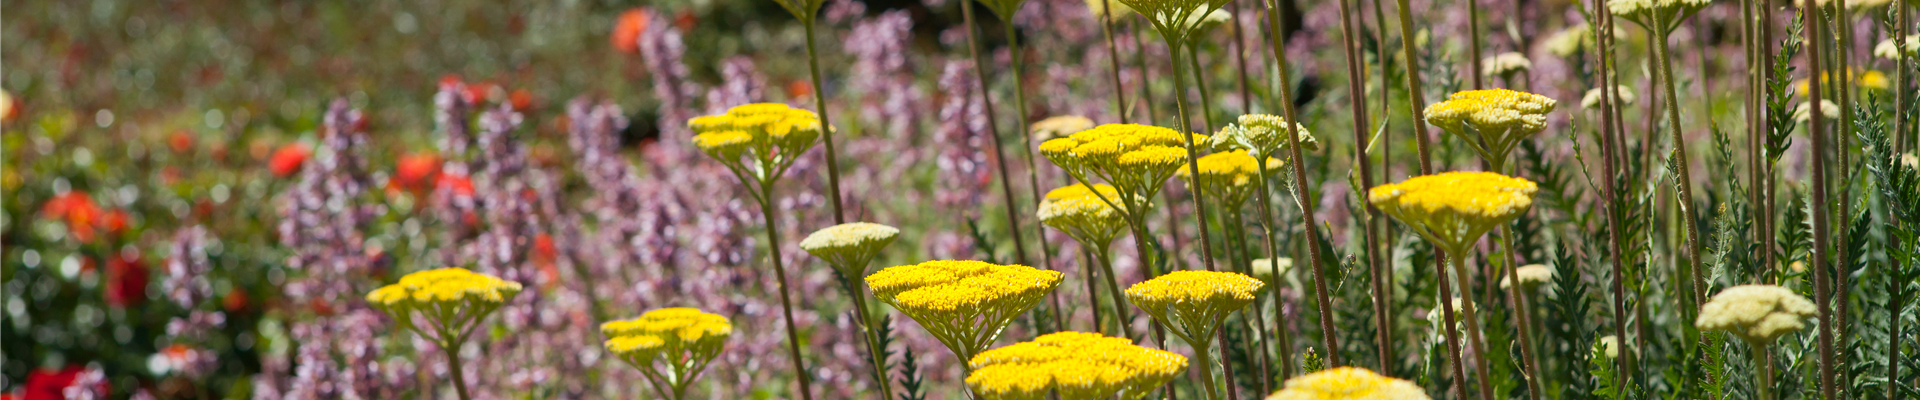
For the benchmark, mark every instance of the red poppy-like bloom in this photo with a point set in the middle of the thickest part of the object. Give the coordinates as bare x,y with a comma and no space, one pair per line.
545,256
521,99
626,31
126,281
236,301
181,141
46,384
78,211
478,92
416,171
799,88
459,185
288,159
116,222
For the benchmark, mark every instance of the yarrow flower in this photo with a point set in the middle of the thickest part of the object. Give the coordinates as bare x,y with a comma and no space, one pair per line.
1135,159
1531,276
757,140
1174,19
1260,135
1230,176
1609,346
1756,313
1492,121
1505,64
1888,50
965,304
1664,15
1804,112
805,10
1592,99
1075,365
850,246
444,296
1454,209
1101,8
1267,267
1093,216
1060,126
1191,303
670,346
1348,383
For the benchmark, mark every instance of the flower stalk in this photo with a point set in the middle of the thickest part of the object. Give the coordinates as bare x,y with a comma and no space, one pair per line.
993,129
1302,190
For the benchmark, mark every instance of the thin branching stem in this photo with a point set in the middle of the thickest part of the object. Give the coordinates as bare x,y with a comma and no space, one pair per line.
1026,148
1285,342
1613,146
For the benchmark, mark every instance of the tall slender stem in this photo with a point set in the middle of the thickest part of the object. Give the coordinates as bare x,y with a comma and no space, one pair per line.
993,129
1478,340
1302,190
1763,371
1820,235
873,338
1613,145
1900,82
1033,169
1240,57
1140,63
1244,266
1516,296
1122,317
1357,100
1093,290
1686,211
826,135
1202,352
786,302
452,348
1273,279
1193,155
1113,59
1200,80
1473,44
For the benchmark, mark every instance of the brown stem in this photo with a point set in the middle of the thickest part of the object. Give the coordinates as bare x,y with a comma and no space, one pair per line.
1820,251
1611,144
1113,59
993,130
1357,99
1302,189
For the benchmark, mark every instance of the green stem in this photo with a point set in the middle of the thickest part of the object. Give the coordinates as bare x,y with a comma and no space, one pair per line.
993,130
1140,62
826,135
1121,316
1516,295
1473,44
786,301
1763,371
1200,80
454,368
1302,191
1193,155
1664,52
873,338
1203,354
1113,59
1033,174
1273,279
1480,366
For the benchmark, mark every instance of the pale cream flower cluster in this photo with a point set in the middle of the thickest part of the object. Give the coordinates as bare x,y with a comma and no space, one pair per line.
1757,313
850,246
1593,97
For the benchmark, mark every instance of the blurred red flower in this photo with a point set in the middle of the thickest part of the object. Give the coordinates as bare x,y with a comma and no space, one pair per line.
288,159
626,30
416,171
46,384
235,302
459,185
126,281
521,99
181,141
799,88
684,21
79,212
116,222
544,257
478,92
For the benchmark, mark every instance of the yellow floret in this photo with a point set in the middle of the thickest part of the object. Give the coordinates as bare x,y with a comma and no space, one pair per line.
850,246
1230,176
1192,302
1075,365
1093,219
1492,121
1348,383
1454,209
963,303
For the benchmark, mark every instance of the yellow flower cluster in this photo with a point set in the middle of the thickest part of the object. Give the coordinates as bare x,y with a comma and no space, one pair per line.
963,303
1061,126
1492,121
1075,365
1656,14
683,340
444,293
1192,302
768,136
1093,218
1230,176
1348,383
1261,134
1756,313
1135,159
1454,209
850,246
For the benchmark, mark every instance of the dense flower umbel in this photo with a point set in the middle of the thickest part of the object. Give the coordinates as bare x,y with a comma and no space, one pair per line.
805,10
1348,383
1093,219
850,246
445,295
963,303
1454,209
1756,313
1135,159
1061,126
757,140
1656,14
1505,64
1592,98
1076,365
1192,303
1492,121
1174,19
682,340
1100,7
1261,134
1531,276
1230,176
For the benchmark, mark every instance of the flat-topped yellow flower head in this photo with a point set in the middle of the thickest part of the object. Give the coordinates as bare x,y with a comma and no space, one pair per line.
1093,218
1135,159
669,345
1492,121
1656,14
1453,209
761,139
1230,176
1348,383
1261,134
963,303
1076,365
1192,302
448,290
850,246
1756,313
1062,125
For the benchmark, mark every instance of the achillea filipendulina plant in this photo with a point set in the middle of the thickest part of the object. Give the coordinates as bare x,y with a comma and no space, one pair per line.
1073,365
1505,65
670,346
1651,14
449,303
1260,134
1453,210
965,304
1757,314
1081,212
1230,176
1591,100
849,247
1348,383
1060,126
1492,121
758,142
1531,276
1135,159
1191,305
